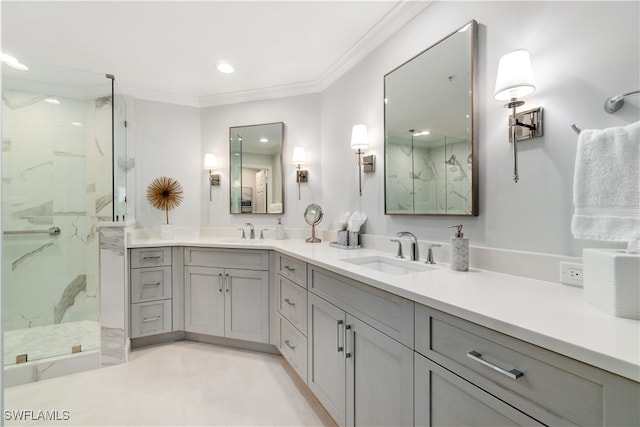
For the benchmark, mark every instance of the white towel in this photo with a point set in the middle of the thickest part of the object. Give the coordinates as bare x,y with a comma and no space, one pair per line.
606,184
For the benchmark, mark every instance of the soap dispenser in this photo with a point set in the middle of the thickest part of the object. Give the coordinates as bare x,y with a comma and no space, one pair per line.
459,250
279,230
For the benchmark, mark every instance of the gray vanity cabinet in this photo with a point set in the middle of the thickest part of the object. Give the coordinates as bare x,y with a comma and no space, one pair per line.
224,301
362,376
291,311
150,291
471,366
444,399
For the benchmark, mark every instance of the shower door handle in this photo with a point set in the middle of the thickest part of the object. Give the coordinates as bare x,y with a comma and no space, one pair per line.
52,231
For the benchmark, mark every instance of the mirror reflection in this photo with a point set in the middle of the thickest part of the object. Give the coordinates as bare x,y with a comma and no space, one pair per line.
256,169
430,143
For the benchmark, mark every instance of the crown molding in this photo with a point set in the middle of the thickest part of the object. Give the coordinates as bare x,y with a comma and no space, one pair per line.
387,26
403,12
273,92
158,96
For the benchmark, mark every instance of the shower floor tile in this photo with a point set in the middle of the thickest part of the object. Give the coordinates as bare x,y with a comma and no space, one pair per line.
183,383
50,341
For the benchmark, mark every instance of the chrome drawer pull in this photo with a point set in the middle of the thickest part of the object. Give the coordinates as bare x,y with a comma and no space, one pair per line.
288,343
514,374
151,258
151,284
288,301
348,331
290,269
151,319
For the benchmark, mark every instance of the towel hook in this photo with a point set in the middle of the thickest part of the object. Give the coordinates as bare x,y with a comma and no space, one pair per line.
576,129
613,104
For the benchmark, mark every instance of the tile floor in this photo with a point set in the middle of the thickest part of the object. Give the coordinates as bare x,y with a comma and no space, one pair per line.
178,384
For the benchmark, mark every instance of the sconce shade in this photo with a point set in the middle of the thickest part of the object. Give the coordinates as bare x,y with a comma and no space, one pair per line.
515,77
359,138
298,155
209,161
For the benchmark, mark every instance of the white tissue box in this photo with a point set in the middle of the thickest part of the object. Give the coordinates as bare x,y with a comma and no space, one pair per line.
612,281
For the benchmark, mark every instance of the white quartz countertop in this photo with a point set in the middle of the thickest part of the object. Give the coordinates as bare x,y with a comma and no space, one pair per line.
550,315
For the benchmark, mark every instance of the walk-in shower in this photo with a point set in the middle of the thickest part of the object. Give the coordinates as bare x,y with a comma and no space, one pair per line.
60,130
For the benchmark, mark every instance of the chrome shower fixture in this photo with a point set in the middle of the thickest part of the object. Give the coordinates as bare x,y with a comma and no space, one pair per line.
452,160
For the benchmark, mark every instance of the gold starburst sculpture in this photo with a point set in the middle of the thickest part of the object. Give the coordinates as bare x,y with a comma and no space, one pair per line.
164,193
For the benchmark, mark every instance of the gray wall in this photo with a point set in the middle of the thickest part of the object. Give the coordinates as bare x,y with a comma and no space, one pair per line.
582,53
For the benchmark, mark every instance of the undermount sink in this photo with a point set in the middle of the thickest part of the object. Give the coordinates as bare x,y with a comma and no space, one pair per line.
236,240
389,265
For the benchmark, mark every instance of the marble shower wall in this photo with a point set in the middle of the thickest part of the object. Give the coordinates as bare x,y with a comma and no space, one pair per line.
419,180
56,171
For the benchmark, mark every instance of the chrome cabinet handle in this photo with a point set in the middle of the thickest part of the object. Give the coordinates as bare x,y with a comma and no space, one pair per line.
347,353
151,284
151,319
149,258
288,343
340,348
288,301
228,280
514,374
290,269
220,282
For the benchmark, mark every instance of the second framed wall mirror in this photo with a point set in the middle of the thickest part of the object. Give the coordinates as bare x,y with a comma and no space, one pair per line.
430,124
256,184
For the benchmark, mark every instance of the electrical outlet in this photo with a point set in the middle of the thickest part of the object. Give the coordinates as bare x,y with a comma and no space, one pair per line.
571,273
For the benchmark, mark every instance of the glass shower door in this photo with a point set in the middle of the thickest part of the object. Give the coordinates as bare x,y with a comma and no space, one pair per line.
56,186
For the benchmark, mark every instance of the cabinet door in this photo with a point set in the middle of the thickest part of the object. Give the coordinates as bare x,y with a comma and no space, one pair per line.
444,399
247,305
326,365
204,300
379,377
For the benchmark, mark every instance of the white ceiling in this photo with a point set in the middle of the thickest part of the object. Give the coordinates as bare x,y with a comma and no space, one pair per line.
168,51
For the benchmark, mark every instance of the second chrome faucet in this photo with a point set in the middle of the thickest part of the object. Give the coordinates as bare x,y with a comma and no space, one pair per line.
415,255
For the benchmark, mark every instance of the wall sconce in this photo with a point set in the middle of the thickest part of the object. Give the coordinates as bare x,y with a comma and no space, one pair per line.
513,81
298,159
359,141
210,164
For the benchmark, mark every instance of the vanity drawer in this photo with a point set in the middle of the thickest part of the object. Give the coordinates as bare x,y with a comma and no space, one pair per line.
550,387
150,257
292,303
293,346
291,268
149,284
227,258
150,318
389,313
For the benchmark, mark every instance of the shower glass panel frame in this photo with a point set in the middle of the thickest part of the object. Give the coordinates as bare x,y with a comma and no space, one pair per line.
57,151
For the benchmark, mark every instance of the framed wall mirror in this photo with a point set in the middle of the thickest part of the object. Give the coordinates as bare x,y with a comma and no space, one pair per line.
430,124
256,185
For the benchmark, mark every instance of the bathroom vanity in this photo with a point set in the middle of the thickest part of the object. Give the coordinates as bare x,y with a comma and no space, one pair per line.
431,347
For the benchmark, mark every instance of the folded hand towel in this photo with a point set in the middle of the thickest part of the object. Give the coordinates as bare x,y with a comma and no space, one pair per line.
606,184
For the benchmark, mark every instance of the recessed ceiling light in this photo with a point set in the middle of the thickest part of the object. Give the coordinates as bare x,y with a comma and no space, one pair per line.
225,67
264,140
52,101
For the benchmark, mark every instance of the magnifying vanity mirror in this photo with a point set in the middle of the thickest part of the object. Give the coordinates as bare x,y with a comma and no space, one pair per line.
430,118
256,185
313,216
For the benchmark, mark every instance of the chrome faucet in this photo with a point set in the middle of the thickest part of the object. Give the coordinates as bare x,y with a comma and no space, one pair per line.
430,259
399,253
414,244
252,231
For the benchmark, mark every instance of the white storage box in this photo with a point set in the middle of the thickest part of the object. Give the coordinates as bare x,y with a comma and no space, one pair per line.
612,281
